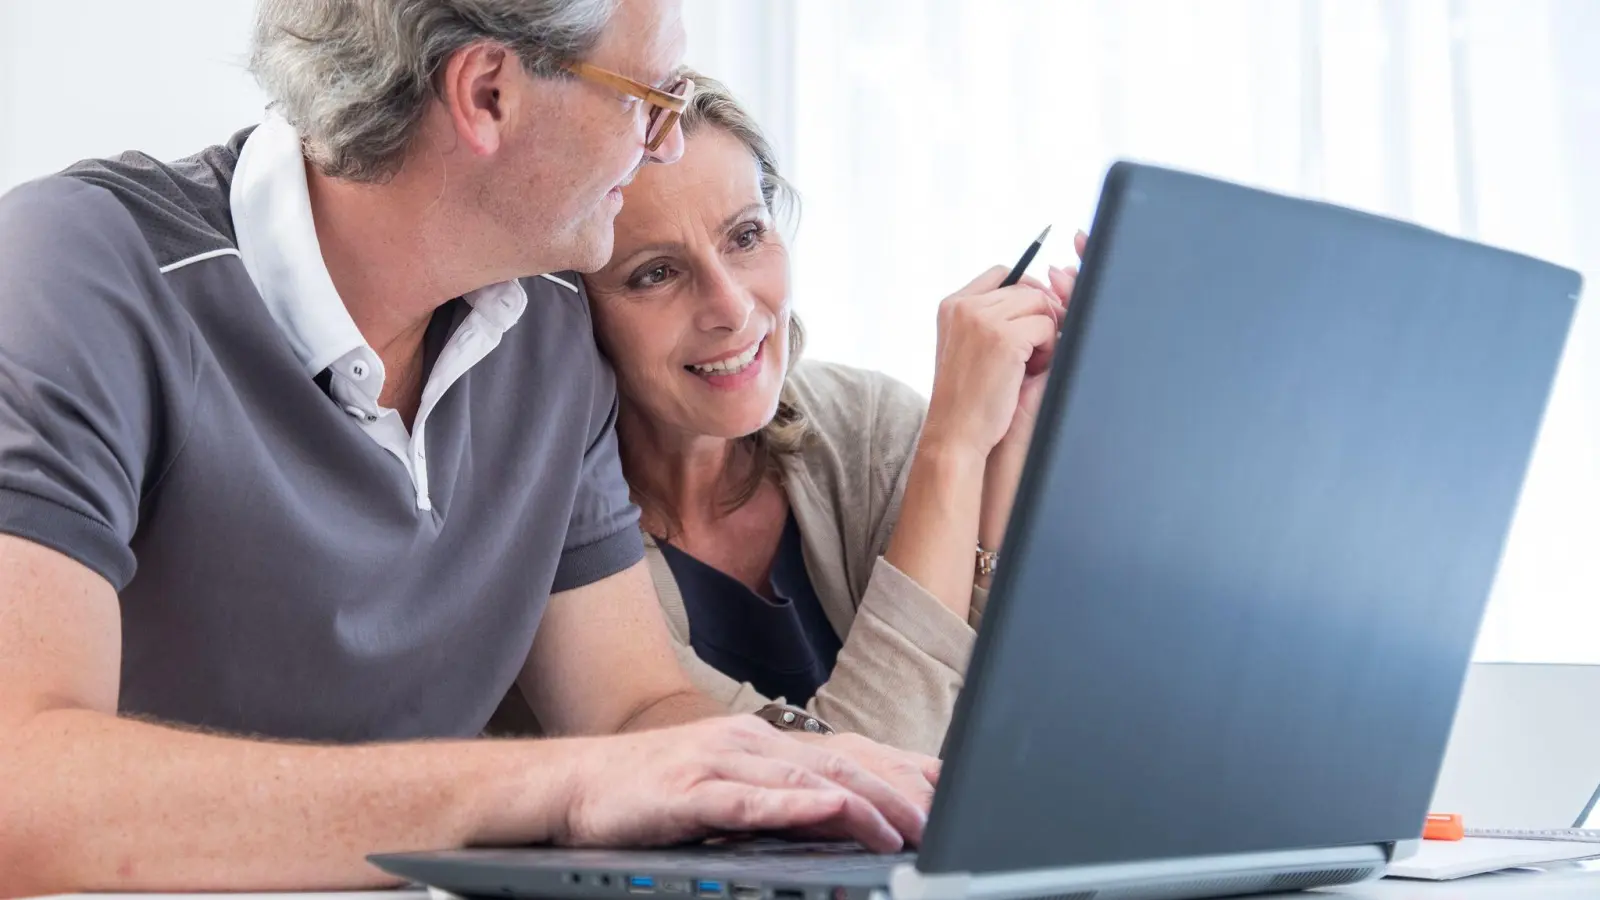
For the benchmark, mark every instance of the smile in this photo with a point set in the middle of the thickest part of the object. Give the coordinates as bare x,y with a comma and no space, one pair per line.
731,365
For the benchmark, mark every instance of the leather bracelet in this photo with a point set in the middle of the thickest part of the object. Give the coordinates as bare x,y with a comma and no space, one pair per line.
792,718
988,560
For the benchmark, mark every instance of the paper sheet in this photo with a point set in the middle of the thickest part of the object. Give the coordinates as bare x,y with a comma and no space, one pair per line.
1444,860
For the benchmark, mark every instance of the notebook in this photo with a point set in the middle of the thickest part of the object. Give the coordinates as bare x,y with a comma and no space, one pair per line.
1446,860
1492,849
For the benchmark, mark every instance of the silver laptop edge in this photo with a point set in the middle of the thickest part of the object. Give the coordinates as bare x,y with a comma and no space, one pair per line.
1584,818
1153,880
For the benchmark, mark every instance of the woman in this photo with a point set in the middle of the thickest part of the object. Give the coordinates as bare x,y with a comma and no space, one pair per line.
811,528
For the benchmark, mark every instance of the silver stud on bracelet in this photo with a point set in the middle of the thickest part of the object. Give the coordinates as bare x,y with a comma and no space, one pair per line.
987,561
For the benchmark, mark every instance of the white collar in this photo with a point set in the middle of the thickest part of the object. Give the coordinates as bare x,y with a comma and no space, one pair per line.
271,207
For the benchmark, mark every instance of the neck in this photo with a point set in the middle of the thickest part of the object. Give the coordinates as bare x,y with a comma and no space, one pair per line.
686,473
375,244
400,249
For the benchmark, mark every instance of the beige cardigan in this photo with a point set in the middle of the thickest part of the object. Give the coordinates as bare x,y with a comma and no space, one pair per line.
904,653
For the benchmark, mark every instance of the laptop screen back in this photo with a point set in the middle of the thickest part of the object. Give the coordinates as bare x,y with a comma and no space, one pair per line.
1274,470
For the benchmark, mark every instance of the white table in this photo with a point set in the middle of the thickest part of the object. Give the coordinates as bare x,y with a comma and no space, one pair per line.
1567,881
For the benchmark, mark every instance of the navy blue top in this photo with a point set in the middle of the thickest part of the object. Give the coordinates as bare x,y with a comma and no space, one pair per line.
783,647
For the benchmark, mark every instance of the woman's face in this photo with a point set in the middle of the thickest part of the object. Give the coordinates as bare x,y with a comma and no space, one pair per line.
693,308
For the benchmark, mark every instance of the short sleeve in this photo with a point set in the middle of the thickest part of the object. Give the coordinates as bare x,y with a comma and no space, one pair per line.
603,534
87,375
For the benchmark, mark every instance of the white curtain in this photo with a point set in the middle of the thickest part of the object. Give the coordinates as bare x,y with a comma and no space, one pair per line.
933,138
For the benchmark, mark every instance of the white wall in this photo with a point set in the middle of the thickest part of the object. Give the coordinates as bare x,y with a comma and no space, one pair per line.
96,77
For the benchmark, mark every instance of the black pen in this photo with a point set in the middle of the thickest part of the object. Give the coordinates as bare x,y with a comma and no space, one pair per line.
1026,260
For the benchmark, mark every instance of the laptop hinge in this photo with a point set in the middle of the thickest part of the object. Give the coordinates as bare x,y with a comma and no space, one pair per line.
1399,850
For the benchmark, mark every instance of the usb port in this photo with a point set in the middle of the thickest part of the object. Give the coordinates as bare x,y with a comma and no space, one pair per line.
708,888
641,884
746,892
788,894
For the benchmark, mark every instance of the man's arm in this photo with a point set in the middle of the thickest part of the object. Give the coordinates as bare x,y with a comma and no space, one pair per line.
96,802
93,802
603,663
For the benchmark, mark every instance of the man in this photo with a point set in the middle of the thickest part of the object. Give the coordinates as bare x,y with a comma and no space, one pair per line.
292,468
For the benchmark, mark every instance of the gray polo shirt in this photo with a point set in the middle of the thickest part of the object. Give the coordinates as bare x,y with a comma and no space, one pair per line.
186,409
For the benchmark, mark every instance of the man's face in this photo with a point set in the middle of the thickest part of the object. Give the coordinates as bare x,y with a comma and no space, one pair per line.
557,188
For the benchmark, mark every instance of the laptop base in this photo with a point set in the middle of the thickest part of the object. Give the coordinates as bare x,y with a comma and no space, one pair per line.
769,871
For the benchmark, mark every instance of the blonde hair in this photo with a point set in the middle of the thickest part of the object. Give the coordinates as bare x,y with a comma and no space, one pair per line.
714,106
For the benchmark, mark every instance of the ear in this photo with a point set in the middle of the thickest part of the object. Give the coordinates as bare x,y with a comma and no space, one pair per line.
481,88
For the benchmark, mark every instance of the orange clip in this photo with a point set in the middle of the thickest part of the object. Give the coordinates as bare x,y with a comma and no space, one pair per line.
1443,827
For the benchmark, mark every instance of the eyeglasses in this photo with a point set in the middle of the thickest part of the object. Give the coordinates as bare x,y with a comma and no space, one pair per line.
666,106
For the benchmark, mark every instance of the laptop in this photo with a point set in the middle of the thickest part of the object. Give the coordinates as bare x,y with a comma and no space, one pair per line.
1274,468
1524,752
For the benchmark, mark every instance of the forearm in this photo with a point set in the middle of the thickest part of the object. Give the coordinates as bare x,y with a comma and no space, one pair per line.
113,804
934,539
1000,479
603,662
679,708
901,667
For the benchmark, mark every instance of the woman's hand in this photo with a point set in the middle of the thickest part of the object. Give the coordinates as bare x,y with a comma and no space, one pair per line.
1005,461
1062,281
990,340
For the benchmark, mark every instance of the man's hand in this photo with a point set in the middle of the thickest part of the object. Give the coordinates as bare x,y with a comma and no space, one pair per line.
738,774
912,774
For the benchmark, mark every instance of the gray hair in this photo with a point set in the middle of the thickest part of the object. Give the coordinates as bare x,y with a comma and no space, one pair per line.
354,76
